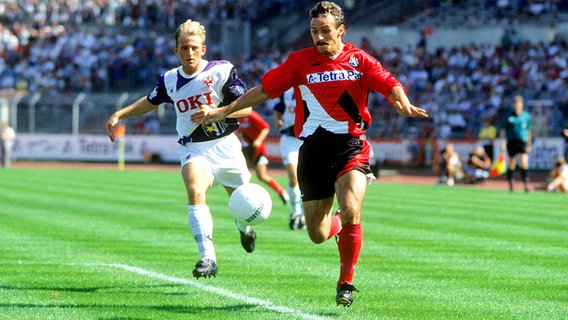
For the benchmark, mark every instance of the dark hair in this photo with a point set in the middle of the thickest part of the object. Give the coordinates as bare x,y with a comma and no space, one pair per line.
325,8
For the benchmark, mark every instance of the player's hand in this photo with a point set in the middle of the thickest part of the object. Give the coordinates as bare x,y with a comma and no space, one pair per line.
399,99
109,127
256,144
410,110
207,115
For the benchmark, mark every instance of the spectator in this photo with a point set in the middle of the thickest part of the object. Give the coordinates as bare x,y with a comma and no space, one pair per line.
7,137
487,135
565,136
558,180
151,125
41,50
450,166
478,165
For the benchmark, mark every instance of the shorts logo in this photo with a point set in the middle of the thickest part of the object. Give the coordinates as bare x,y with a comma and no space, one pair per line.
354,62
337,75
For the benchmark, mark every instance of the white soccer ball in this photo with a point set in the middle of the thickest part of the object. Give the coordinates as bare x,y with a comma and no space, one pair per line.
250,204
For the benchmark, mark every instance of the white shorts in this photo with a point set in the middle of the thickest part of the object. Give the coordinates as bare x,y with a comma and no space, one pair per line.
222,159
262,161
289,147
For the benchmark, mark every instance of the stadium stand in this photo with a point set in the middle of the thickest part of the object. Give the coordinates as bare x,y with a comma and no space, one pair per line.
113,49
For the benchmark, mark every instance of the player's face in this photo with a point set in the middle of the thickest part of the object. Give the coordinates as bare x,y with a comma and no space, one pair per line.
326,36
189,50
518,106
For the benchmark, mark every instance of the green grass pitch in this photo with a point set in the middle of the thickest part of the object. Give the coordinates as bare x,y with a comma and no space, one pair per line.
108,244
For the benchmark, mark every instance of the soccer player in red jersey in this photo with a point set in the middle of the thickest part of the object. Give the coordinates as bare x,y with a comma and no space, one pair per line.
333,79
253,130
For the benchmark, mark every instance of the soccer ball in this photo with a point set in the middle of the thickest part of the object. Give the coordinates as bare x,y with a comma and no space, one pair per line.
250,204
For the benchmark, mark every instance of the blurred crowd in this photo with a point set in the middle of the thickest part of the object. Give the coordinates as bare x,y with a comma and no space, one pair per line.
459,86
65,46
462,86
505,8
137,13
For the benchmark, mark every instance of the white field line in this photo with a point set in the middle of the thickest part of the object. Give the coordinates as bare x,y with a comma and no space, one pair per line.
219,291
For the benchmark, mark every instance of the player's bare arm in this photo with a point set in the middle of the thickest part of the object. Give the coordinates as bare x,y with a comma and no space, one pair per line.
278,121
529,141
502,140
140,107
207,115
240,113
399,99
261,138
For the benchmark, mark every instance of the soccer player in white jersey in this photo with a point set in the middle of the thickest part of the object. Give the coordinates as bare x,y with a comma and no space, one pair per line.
209,154
333,79
284,113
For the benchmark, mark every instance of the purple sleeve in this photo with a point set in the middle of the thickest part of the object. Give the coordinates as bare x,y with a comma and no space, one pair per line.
280,106
233,88
159,95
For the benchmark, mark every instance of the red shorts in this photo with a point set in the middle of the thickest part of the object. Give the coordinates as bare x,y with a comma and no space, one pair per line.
325,156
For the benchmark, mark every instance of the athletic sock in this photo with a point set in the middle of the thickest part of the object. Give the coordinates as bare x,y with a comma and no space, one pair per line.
201,224
349,245
524,175
510,175
243,227
275,186
295,199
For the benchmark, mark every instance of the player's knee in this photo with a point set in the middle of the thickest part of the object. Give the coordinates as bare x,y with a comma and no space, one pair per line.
316,236
351,215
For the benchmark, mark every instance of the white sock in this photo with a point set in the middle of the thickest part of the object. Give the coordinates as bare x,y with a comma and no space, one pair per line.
243,228
295,199
201,223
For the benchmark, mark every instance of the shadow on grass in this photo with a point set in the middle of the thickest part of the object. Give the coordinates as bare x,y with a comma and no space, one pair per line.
186,309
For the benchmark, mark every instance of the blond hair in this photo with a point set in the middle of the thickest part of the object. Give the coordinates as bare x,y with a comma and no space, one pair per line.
192,28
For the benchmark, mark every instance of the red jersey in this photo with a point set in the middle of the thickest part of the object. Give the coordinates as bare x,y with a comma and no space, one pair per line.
331,93
249,129
251,126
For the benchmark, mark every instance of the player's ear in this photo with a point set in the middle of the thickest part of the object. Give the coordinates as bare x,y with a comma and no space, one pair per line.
203,49
341,29
176,51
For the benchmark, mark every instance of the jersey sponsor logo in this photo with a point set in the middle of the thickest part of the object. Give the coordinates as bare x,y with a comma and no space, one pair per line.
193,102
336,75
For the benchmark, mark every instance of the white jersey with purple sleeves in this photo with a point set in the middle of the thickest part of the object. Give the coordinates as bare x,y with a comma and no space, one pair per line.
289,144
216,83
287,107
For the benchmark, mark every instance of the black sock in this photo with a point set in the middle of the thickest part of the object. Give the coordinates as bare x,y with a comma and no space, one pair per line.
524,175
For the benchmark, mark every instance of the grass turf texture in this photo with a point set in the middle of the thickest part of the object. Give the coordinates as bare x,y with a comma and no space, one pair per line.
106,244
